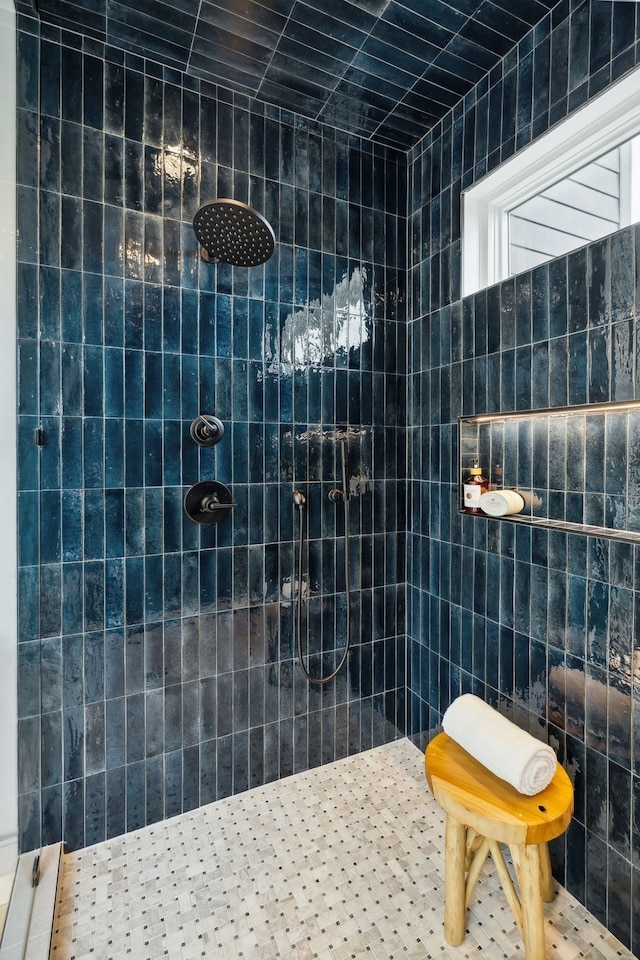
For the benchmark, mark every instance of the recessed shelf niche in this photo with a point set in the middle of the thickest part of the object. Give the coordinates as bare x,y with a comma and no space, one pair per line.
577,468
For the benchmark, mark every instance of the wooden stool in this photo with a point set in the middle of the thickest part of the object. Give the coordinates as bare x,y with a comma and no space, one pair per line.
482,812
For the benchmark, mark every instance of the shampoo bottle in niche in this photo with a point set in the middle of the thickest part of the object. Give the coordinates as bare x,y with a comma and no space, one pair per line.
473,488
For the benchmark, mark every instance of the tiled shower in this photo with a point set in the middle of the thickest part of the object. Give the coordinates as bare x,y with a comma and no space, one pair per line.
543,622
157,667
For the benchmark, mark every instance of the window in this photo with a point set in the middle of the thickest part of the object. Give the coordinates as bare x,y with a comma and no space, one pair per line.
578,182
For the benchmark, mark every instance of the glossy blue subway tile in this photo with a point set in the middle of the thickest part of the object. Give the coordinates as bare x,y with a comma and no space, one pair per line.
29,679
50,453
50,303
52,814
94,740
50,675
27,293
113,195
93,158
621,278
93,587
135,729
72,598
49,378
72,220
52,230
71,85
70,151
152,453
154,747
616,453
172,579
155,736
95,815
71,362
114,593
598,305
92,451
49,79
135,795
27,206
30,744
114,684
50,621
92,232
114,428
28,385
190,574
115,794
93,383
71,306
94,524
73,734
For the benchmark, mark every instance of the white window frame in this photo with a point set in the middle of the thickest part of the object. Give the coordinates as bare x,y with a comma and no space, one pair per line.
629,182
602,124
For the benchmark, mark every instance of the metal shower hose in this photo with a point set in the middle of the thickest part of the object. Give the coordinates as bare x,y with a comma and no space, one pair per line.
300,503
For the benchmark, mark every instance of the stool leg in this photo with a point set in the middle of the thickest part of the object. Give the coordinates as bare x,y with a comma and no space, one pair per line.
455,846
531,903
546,877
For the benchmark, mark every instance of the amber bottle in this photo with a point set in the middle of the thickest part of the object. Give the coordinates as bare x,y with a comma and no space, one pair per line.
473,488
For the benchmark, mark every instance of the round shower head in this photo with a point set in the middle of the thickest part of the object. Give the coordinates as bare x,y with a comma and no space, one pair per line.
233,232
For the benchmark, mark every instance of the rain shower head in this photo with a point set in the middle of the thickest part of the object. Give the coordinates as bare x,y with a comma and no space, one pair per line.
233,232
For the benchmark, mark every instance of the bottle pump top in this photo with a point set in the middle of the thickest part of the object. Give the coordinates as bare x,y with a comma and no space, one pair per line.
475,470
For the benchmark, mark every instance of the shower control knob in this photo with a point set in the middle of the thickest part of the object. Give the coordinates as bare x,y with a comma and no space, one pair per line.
336,496
208,502
206,430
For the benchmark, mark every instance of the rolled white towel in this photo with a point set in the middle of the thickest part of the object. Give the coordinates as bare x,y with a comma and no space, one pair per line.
499,745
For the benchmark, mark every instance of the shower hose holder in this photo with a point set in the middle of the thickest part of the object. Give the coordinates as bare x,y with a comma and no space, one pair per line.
208,502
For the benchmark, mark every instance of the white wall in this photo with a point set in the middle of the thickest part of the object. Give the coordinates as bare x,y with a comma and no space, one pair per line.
8,616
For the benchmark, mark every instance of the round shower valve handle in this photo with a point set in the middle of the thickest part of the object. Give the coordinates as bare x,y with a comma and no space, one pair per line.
206,430
208,502
336,496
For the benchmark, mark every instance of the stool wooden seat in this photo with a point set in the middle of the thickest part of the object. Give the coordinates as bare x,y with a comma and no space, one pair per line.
484,811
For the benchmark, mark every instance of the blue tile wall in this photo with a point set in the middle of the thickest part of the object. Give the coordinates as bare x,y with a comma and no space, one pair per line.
541,623
157,668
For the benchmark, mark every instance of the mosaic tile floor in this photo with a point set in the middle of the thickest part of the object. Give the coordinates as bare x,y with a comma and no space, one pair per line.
343,861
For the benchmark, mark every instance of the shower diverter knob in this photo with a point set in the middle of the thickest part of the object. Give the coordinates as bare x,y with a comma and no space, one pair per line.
206,430
208,502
